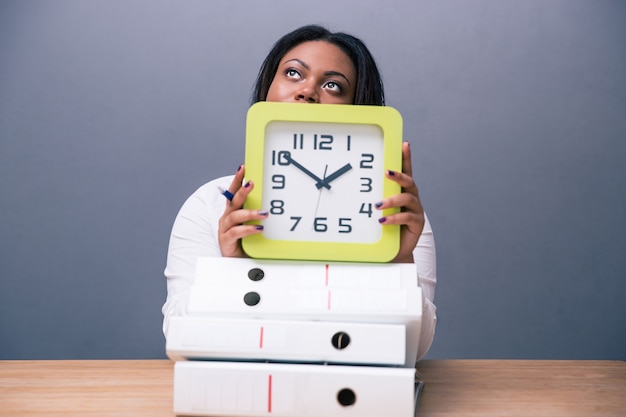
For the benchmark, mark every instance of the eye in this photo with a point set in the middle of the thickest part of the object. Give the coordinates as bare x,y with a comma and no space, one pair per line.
292,73
333,86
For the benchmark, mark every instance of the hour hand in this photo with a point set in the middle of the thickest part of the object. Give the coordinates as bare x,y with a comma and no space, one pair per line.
326,181
320,183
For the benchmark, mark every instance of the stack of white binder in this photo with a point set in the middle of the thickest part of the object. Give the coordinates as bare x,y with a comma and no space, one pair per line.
287,338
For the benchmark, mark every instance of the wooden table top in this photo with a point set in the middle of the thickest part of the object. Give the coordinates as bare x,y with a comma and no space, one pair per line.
452,388
523,388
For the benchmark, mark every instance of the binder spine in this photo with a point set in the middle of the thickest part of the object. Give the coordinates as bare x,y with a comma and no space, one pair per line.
251,390
324,302
220,271
286,341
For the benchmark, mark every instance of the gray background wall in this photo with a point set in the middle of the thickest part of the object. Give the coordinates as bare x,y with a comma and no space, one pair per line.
113,112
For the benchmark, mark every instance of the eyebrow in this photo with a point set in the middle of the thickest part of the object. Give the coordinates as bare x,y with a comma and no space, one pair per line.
335,73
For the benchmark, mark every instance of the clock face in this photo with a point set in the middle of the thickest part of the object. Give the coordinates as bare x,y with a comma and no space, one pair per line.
319,171
322,181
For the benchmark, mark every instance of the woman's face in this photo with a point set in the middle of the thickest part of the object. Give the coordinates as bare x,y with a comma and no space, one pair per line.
314,72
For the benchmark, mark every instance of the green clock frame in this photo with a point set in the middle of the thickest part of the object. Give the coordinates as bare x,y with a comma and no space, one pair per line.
389,122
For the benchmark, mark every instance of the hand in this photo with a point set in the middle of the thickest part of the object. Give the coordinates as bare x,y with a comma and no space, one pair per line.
288,158
327,179
411,217
231,228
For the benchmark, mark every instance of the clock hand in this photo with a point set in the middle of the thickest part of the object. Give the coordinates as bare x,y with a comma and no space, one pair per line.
289,159
326,181
319,196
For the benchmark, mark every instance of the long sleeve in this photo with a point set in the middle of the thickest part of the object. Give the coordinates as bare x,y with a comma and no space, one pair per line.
425,258
194,234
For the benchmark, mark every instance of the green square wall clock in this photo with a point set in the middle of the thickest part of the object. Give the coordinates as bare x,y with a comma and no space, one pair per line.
319,170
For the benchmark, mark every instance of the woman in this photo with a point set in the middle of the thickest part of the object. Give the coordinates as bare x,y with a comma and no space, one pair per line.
308,65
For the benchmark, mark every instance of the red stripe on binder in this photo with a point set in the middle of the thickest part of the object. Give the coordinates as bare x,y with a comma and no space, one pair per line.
269,394
261,339
329,300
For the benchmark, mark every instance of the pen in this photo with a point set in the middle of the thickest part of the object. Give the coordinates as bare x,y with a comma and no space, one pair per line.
229,196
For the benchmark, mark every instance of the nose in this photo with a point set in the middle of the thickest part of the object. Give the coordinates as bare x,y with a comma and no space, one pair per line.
307,93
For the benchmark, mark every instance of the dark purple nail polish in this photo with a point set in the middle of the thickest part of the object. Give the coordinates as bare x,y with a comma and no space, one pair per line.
247,184
239,168
262,212
259,227
379,204
390,172
382,220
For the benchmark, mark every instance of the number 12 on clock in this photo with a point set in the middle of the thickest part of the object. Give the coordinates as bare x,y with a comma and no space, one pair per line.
322,142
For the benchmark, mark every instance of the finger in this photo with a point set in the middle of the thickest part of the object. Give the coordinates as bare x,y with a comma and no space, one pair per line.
241,195
238,232
230,242
238,217
405,181
407,165
414,222
403,218
234,186
407,201
231,230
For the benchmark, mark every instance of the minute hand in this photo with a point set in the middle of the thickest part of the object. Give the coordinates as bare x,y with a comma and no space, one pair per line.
293,162
326,181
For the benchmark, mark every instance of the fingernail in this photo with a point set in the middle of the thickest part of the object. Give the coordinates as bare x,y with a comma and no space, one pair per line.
239,168
382,220
380,203
390,172
263,213
259,227
247,184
